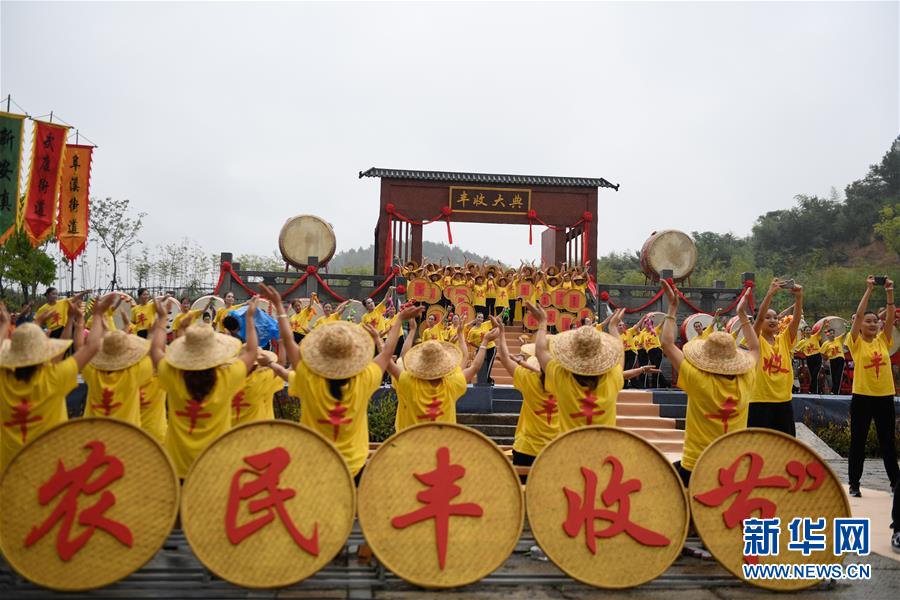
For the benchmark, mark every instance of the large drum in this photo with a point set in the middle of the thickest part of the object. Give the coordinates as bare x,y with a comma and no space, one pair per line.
669,249
173,307
202,302
733,325
122,314
304,236
688,326
657,318
839,325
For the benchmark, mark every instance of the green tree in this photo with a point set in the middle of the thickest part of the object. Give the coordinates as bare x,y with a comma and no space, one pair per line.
888,228
112,226
27,266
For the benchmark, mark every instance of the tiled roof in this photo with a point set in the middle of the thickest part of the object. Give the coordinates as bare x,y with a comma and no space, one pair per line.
488,178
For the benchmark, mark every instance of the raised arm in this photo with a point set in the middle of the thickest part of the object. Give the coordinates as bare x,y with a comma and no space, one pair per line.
794,325
667,337
248,355
764,306
751,340
861,309
541,347
505,359
387,352
889,317
94,339
75,324
472,369
158,333
4,323
286,336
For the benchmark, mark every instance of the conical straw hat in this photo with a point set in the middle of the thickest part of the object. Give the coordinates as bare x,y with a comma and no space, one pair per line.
432,359
586,351
718,353
202,348
30,346
337,350
120,351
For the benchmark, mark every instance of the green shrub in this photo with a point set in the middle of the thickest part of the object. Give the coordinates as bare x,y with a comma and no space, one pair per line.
287,407
382,411
837,434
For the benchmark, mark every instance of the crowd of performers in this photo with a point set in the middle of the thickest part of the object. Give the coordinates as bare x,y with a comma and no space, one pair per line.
188,387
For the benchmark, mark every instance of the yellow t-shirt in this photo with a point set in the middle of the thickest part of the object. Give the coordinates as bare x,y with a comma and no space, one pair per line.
538,420
116,394
424,402
196,423
502,300
30,409
332,318
708,330
717,404
344,423
774,373
479,295
490,290
58,314
629,339
109,320
142,316
476,334
872,365
650,338
812,345
833,349
300,321
375,318
435,332
579,406
176,322
153,409
254,401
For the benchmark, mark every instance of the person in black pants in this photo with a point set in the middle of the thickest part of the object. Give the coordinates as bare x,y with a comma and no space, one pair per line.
873,387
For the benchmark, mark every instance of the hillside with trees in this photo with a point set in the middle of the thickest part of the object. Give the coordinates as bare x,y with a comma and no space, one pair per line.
828,245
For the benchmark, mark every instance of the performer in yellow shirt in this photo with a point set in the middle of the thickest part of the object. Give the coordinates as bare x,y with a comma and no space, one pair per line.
255,401
811,347
115,377
502,300
54,314
771,406
201,372
331,314
219,321
336,377
833,352
432,329
718,378
374,315
479,296
33,385
475,338
302,317
873,387
143,314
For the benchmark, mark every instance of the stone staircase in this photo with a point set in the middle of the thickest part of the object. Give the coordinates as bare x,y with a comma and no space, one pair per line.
635,411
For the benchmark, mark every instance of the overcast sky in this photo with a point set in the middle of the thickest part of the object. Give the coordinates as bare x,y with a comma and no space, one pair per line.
222,120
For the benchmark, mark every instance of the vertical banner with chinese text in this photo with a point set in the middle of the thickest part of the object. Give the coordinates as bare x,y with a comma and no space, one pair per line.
72,225
43,180
12,129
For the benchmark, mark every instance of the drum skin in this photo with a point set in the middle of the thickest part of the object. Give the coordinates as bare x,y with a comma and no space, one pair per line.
304,236
669,249
687,326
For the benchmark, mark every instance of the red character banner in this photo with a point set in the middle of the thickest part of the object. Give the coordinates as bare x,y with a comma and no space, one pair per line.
48,148
72,224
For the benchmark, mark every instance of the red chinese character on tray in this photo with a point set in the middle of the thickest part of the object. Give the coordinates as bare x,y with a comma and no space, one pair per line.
72,484
266,469
21,418
588,406
582,512
743,506
441,490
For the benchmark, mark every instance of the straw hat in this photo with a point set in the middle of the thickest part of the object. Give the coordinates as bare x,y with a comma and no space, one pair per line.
533,362
554,280
586,351
273,358
29,346
552,270
432,359
528,349
503,281
201,348
120,351
719,354
337,350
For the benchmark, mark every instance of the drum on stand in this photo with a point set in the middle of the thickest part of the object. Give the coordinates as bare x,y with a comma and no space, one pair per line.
656,318
688,330
353,311
304,236
209,304
173,308
669,249
122,313
733,325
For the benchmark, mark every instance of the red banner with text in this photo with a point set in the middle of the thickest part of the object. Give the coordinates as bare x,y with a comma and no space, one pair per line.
48,148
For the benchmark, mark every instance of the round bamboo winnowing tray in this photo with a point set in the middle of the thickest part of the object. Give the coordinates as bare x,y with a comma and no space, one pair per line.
322,506
556,491
776,450
304,236
145,501
476,545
